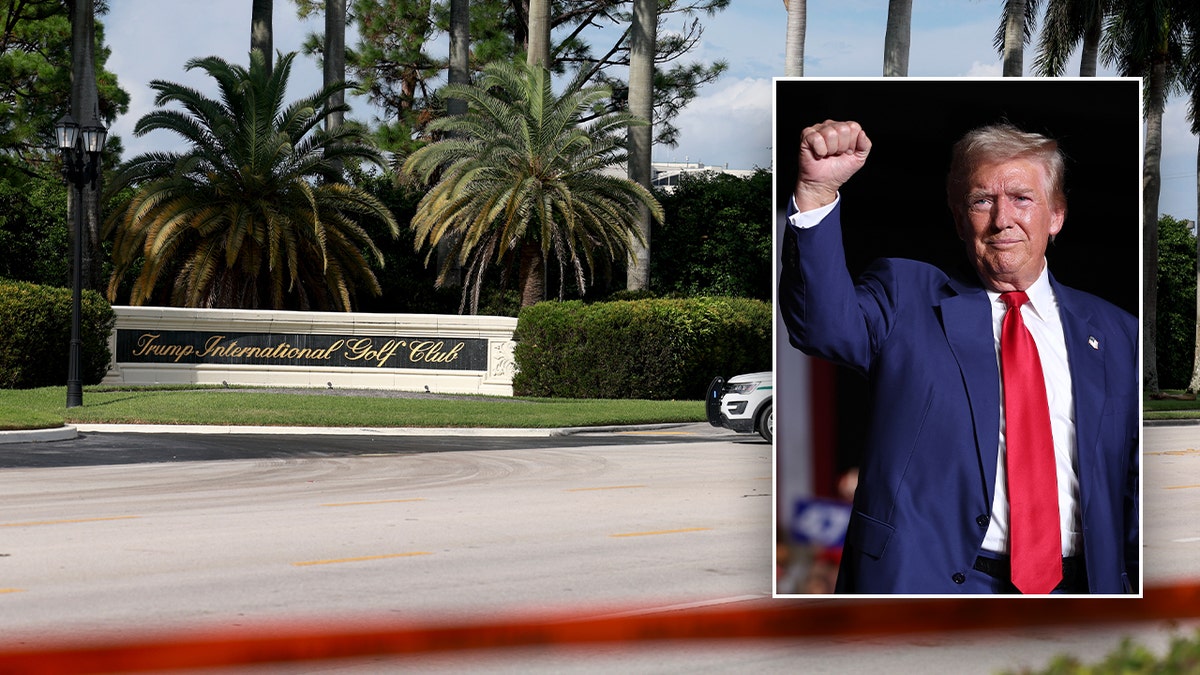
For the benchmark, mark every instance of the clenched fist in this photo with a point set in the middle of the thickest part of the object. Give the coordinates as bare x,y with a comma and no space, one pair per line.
830,153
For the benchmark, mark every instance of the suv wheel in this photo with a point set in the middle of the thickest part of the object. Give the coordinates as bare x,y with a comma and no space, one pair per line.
766,422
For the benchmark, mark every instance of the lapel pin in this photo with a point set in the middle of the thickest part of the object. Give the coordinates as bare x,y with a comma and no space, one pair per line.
1094,342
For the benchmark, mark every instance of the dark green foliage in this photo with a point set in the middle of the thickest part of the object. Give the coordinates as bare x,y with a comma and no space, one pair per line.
36,324
253,213
647,349
35,83
1130,658
35,244
1176,320
716,237
406,283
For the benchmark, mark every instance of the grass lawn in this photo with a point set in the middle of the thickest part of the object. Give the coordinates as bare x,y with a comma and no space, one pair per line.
1178,405
46,408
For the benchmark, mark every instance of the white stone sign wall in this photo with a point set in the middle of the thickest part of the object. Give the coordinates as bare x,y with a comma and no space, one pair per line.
413,352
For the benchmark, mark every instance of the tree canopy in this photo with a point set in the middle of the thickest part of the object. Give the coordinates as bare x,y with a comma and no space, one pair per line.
35,84
518,178
252,213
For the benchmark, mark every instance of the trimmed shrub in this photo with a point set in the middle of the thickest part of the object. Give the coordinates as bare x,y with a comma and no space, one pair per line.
36,325
1130,658
646,349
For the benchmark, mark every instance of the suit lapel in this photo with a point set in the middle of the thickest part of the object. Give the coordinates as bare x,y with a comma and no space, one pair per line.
967,322
1085,355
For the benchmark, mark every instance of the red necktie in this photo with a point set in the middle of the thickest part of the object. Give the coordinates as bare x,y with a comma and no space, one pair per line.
1035,545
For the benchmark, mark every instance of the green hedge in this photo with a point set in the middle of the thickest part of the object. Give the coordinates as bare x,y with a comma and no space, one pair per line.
1130,658
36,325
646,349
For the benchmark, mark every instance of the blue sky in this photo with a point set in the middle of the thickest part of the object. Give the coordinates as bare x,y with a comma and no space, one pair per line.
729,124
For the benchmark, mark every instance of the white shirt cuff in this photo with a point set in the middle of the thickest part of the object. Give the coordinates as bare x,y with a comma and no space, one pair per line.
806,219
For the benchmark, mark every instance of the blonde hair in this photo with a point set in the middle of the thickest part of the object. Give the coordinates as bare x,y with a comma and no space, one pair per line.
1000,142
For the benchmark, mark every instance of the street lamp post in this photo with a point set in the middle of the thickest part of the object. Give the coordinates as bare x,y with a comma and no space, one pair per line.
80,149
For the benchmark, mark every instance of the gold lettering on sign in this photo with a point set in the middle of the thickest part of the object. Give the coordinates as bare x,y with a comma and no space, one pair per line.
368,351
148,345
431,352
362,350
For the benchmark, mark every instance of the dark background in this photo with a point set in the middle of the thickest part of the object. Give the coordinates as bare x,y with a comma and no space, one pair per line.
896,205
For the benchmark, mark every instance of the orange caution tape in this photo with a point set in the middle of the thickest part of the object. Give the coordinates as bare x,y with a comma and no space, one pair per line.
755,620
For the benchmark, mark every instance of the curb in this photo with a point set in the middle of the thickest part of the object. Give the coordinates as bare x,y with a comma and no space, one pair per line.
219,429
63,433
72,431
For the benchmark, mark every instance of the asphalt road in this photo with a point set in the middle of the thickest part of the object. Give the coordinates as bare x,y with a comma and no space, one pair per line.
167,531
106,448
112,535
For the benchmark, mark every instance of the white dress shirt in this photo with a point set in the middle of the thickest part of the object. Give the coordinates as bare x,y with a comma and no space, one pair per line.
1044,323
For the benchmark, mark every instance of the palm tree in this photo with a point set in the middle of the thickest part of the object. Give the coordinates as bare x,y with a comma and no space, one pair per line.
460,51
334,60
1066,25
85,107
334,65
520,180
1146,38
1190,78
538,48
253,213
642,38
262,35
1016,29
897,38
793,64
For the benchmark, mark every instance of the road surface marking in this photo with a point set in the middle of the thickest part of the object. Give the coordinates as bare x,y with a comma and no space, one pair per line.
32,523
336,561
378,501
11,590
654,532
1181,487
609,487
1187,540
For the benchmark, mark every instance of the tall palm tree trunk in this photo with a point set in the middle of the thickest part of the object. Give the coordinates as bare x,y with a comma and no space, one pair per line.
1151,184
85,108
460,73
897,38
1194,385
460,51
797,24
262,35
1090,51
531,275
335,63
539,33
642,38
1014,38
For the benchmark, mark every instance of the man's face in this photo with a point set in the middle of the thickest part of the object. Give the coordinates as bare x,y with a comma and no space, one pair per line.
1007,220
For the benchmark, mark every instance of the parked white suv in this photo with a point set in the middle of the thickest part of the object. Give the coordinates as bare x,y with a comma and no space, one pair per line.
746,404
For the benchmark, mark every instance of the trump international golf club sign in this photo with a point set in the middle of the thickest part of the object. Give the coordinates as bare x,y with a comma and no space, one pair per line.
419,352
377,351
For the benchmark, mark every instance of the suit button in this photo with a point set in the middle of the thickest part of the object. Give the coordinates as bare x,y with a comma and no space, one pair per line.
959,577
982,521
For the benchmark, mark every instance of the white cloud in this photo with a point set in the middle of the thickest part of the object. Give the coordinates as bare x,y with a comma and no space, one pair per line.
978,69
151,39
1178,168
729,123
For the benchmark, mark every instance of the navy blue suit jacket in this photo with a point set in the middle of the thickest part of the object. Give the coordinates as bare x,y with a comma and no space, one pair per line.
924,340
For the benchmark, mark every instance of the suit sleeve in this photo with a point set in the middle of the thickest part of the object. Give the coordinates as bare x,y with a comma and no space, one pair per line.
826,313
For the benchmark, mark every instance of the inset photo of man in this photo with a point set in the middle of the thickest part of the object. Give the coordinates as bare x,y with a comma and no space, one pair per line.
957,300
